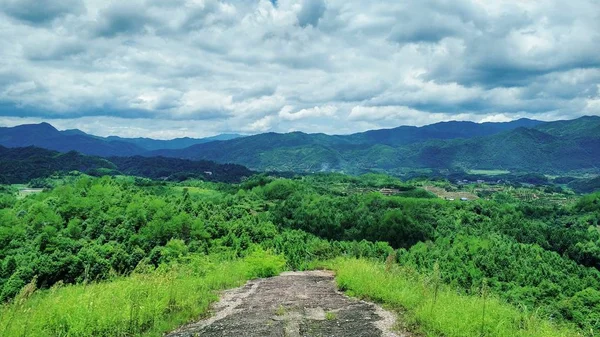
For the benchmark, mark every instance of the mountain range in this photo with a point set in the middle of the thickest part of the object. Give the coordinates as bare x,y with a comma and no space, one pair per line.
521,145
46,136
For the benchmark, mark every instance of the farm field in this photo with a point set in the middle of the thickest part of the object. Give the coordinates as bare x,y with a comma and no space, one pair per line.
489,172
450,195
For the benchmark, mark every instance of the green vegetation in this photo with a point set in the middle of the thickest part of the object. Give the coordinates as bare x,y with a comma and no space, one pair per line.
148,303
555,147
438,310
165,246
27,165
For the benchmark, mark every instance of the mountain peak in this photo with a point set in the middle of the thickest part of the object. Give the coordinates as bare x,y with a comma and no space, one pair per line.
74,132
41,127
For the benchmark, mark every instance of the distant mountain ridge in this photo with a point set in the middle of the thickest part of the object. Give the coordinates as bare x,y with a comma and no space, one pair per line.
442,130
522,144
46,136
150,144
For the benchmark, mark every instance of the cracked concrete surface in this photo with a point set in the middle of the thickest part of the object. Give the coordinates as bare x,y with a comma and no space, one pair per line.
293,304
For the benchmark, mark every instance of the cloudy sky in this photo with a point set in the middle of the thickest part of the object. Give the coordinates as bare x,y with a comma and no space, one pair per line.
171,68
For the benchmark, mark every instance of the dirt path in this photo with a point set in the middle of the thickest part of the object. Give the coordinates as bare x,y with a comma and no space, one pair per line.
293,304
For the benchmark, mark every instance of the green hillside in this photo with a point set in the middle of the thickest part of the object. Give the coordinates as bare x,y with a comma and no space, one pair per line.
20,165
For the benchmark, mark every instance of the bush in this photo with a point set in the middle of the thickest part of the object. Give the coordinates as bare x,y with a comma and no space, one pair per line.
264,264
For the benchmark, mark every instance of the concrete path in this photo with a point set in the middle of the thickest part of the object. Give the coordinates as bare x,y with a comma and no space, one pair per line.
293,304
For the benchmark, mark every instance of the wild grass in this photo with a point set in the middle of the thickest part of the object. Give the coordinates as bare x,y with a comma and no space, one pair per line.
148,303
433,309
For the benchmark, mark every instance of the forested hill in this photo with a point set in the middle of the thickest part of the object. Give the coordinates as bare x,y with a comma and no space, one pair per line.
20,165
180,169
541,147
445,130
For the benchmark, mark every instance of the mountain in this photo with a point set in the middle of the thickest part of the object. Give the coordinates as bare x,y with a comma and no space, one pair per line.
524,145
150,144
444,130
20,165
522,149
583,127
46,136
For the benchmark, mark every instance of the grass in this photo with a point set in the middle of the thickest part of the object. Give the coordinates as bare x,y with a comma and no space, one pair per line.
330,316
431,309
280,311
144,304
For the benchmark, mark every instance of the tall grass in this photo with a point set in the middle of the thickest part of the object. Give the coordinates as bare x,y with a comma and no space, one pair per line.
437,310
145,304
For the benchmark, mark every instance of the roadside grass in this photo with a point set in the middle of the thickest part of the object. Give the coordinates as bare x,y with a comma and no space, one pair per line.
433,309
147,303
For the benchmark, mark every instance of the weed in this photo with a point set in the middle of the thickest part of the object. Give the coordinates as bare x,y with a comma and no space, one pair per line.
280,311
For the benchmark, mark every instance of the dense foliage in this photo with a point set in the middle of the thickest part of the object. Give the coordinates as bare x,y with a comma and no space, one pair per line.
20,165
533,256
87,229
93,228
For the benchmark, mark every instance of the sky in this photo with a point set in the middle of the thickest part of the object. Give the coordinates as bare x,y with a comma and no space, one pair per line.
174,68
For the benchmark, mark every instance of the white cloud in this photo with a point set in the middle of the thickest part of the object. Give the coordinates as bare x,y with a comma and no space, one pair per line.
260,125
287,112
343,66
